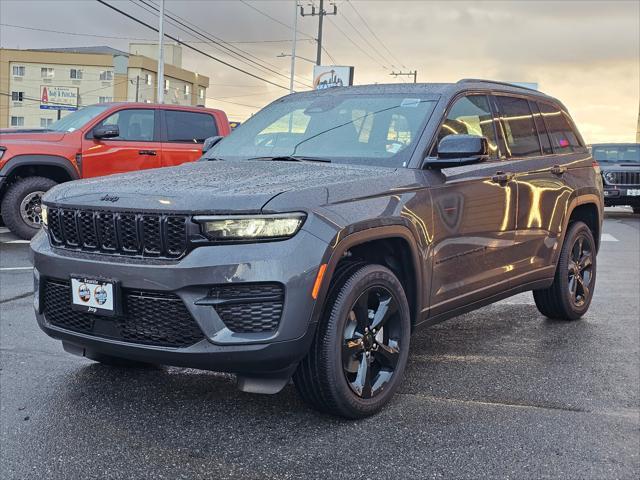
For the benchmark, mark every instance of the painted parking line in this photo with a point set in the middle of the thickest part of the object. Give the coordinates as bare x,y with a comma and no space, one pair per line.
16,241
607,237
14,269
4,230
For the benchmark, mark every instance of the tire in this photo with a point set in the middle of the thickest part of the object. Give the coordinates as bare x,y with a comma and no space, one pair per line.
560,301
28,190
344,352
116,361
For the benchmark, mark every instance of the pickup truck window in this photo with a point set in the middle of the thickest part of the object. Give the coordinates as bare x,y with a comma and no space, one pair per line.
77,119
189,127
134,124
360,129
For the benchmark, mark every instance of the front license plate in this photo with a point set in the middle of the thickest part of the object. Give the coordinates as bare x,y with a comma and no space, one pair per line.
93,296
634,192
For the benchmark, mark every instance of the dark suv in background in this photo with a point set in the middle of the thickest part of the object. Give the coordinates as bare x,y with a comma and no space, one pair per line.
312,241
620,165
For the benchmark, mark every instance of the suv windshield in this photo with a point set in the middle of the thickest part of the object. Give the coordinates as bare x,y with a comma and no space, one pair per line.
344,128
617,153
77,119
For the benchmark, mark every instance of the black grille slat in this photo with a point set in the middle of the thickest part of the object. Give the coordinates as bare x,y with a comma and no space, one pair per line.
151,234
70,227
150,318
88,230
249,308
121,233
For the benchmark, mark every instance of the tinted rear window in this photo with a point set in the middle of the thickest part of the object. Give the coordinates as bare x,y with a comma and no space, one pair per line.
189,127
563,137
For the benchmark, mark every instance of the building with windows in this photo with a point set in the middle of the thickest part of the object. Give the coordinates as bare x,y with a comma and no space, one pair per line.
38,85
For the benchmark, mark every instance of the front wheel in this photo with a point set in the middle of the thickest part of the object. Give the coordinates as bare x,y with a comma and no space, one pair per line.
21,206
570,294
361,346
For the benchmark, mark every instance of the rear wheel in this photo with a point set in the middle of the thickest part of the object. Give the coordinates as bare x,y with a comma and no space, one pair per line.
569,297
361,347
22,205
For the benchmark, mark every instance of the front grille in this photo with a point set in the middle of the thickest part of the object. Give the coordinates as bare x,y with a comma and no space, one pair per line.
249,308
148,317
119,233
623,178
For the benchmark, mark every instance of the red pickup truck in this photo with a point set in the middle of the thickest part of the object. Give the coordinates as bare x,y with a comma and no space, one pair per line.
93,141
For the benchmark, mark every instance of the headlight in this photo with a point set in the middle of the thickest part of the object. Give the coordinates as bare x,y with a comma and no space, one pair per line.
44,214
262,227
610,177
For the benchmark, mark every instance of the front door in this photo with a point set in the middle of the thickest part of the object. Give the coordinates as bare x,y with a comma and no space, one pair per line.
137,147
185,133
474,216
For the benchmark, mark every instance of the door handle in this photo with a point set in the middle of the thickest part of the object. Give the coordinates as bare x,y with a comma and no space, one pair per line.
558,170
147,152
502,177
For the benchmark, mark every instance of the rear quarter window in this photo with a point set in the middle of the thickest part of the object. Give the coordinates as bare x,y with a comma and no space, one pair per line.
564,138
189,127
519,127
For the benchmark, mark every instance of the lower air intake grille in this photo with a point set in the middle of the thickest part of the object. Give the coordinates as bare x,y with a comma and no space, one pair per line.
150,318
249,308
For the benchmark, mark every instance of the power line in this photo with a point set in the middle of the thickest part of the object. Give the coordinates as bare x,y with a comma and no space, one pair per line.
131,17
377,50
215,40
355,44
366,24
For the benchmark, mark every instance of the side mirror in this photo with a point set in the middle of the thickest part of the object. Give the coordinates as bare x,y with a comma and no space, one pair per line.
458,150
210,142
106,131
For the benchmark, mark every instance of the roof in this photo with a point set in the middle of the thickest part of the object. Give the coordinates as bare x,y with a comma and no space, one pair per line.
99,49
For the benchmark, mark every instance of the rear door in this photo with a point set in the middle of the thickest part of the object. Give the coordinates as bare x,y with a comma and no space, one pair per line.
137,148
184,132
474,214
542,145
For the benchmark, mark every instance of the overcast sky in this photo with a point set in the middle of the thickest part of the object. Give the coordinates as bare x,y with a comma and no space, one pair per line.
587,53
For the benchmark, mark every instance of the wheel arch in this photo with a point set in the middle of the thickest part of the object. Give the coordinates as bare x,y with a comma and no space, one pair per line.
372,244
55,167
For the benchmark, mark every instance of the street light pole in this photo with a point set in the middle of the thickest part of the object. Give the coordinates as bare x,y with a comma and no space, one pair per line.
161,55
293,45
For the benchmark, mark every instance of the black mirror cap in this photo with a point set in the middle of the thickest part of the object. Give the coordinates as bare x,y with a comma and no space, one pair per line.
458,150
210,142
106,131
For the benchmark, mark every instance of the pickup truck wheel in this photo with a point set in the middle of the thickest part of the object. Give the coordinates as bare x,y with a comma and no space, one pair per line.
569,297
361,346
21,205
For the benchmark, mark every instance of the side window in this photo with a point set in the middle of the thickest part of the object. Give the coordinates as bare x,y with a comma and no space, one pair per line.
134,124
189,127
519,129
563,137
545,142
470,115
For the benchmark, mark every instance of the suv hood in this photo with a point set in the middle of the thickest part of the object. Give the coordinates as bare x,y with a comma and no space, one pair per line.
217,186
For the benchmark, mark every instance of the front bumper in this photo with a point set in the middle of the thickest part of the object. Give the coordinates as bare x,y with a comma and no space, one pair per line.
614,196
294,263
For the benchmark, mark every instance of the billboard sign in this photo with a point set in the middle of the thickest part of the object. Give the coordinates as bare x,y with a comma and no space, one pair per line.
327,76
58,98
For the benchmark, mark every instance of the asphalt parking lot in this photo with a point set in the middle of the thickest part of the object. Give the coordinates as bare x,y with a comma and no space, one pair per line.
497,393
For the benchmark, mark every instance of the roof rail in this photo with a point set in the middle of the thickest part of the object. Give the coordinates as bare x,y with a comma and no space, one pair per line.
480,80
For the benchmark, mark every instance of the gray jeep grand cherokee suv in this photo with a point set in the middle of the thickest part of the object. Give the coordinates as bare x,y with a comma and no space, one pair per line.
312,241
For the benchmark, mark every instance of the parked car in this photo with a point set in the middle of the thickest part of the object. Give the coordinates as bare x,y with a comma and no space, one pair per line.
93,141
313,241
620,165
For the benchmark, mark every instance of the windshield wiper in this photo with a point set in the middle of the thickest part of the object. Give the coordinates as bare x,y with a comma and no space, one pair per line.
292,158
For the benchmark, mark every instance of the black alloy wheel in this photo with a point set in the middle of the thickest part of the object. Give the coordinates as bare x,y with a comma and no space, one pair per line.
371,342
580,270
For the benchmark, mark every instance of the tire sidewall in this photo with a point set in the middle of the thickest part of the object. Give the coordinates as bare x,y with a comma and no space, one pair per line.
363,279
11,204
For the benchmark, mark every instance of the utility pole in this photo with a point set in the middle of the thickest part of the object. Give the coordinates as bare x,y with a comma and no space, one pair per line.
137,86
161,55
413,74
321,12
293,45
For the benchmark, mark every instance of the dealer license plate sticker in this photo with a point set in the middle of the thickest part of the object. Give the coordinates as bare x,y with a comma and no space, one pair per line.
93,296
